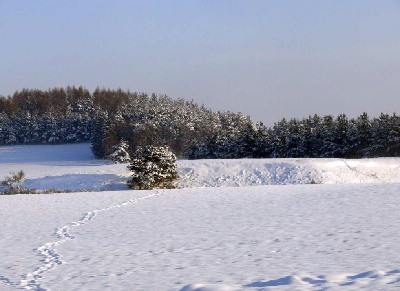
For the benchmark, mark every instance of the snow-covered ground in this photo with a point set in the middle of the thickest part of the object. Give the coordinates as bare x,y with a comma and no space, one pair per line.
340,234
73,167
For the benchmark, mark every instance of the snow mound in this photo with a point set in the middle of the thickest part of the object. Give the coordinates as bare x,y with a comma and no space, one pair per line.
254,172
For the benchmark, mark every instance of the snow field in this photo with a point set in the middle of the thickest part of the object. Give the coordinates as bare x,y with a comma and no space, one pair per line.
305,237
340,235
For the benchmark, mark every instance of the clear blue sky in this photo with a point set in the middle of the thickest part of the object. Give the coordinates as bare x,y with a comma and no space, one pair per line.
267,59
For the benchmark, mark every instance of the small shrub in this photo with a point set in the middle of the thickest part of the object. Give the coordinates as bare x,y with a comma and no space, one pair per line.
53,191
19,177
13,184
153,167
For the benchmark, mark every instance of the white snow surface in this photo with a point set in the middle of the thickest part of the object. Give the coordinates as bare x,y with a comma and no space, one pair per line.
341,234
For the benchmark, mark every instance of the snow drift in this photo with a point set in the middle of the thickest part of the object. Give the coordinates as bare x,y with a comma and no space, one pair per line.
254,172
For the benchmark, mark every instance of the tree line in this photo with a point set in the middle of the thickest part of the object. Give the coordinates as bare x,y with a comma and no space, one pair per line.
109,118
106,117
312,137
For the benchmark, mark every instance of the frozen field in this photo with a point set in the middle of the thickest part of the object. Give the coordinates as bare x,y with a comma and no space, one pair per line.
341,234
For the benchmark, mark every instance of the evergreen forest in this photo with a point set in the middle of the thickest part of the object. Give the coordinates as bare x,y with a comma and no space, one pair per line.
108,118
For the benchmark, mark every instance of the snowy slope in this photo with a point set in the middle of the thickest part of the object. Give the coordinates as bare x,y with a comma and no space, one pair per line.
73,167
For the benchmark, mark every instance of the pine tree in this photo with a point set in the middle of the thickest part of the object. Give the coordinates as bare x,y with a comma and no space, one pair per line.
359,136
98,137
380,136
341,137
279,139
328,147
393,137
153,167
293,143
120,153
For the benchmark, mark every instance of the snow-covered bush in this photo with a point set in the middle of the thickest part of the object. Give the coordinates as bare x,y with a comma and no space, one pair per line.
153,167
120,153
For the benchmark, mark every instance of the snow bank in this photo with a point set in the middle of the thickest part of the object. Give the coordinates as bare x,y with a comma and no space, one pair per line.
73,167
253,172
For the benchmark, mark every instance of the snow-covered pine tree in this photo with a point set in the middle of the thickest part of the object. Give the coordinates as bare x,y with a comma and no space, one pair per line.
393,149
120,153
309,142
153,167
380,128
329,146
341,138
293,140
244,144
359,136
98,137
279,139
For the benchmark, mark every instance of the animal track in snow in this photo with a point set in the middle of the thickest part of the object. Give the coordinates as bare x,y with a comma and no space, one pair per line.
49,253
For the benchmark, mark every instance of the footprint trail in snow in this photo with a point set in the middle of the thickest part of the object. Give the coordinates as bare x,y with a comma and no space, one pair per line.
48,251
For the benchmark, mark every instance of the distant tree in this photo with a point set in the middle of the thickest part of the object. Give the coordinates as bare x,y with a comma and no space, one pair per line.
393,149
294,139
279,139
120,153
380,129
359,137
341,141
98,137
385,136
